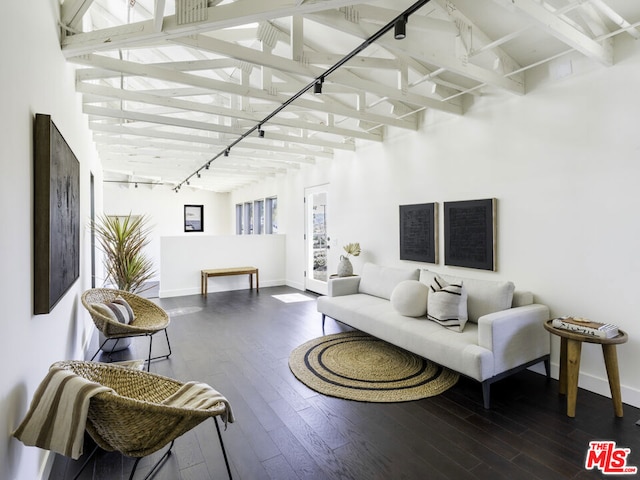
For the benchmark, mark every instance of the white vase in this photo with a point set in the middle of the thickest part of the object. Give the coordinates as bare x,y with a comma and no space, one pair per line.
345,269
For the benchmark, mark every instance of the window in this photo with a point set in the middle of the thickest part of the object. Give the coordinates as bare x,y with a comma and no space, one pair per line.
258,217
271,215
248,218
239,219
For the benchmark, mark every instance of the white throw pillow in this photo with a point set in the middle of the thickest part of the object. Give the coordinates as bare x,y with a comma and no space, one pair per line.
447,304
409,298
118,310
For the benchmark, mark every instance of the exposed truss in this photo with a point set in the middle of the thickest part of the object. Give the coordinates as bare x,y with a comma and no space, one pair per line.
168,88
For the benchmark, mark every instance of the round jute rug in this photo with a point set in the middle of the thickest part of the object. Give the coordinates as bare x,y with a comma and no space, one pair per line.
357,366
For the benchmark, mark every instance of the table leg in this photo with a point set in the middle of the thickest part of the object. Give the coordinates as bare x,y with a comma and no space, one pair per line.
574,349
562,387
257,281
251,281
611,363
205,279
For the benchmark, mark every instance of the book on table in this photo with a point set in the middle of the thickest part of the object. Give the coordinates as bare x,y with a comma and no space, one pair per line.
586,327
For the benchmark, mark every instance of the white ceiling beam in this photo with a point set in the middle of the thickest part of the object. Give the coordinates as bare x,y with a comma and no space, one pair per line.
547,21
285,65
186,105
72,11
173,76
328,59
112,113
616,18
240,12
266,150
508,63
415,47
158,15
293,149
382,16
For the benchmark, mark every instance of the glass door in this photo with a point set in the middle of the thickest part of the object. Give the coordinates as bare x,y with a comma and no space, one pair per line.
316,239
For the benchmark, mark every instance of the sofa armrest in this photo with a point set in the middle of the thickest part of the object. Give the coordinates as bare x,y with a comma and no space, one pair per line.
515,336
343,286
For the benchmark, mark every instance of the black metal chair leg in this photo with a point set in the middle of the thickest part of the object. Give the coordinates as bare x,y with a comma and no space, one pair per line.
149,360
168,343
99,348
168,346
86,462
115,344
157,465
224,452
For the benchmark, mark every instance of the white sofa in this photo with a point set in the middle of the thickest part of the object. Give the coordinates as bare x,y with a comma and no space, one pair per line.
504,332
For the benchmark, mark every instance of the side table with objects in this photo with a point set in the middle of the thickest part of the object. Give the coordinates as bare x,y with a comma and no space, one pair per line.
570,351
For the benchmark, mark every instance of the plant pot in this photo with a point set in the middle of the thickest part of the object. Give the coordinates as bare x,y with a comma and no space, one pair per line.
122,343
345,269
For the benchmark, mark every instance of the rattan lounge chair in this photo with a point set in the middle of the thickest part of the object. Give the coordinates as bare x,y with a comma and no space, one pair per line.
149,318
133,420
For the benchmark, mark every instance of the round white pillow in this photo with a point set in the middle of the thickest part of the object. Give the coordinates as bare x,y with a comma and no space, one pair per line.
409,298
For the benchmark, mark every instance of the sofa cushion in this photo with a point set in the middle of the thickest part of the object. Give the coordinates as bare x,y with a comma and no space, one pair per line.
409,298
484,296
447,304
380,281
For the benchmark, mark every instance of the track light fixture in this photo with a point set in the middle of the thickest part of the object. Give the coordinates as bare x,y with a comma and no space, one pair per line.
317,87
226,152
198,174
206,167
400,28
188,183
136,184
260,131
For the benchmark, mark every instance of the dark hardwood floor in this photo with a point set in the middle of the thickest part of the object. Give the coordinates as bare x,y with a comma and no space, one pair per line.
239,343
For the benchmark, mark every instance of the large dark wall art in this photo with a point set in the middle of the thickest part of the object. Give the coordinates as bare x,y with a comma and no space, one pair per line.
418,232
56,216
469,234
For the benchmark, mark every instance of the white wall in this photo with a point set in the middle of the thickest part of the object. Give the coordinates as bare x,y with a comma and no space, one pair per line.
35,79
165,209
562,162
183,258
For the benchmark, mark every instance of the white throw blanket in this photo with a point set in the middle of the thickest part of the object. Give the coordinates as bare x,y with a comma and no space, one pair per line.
58,413
199,396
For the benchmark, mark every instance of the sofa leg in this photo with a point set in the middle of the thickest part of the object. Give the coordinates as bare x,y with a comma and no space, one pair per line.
486,394
323,318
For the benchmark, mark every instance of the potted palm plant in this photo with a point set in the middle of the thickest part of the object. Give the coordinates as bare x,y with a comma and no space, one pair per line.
122,240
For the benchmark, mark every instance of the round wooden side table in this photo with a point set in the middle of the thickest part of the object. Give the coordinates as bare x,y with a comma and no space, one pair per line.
570,350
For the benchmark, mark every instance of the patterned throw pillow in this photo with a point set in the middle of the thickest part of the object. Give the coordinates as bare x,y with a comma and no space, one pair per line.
447,304
118,310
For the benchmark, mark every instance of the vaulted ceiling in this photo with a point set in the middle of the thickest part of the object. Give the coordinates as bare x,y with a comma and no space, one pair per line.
171,86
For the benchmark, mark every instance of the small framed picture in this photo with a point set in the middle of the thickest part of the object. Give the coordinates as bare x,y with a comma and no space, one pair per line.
193,220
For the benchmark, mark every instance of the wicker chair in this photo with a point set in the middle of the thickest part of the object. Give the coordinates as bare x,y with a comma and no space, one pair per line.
149,318
133,420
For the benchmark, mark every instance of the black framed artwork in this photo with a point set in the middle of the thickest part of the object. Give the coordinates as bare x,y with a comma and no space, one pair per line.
469,234
56,229
418,232
193,219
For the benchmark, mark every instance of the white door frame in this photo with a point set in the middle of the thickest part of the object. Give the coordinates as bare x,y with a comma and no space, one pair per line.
315,283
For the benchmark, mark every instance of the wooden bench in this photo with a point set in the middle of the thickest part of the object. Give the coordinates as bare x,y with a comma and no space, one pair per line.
223,272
